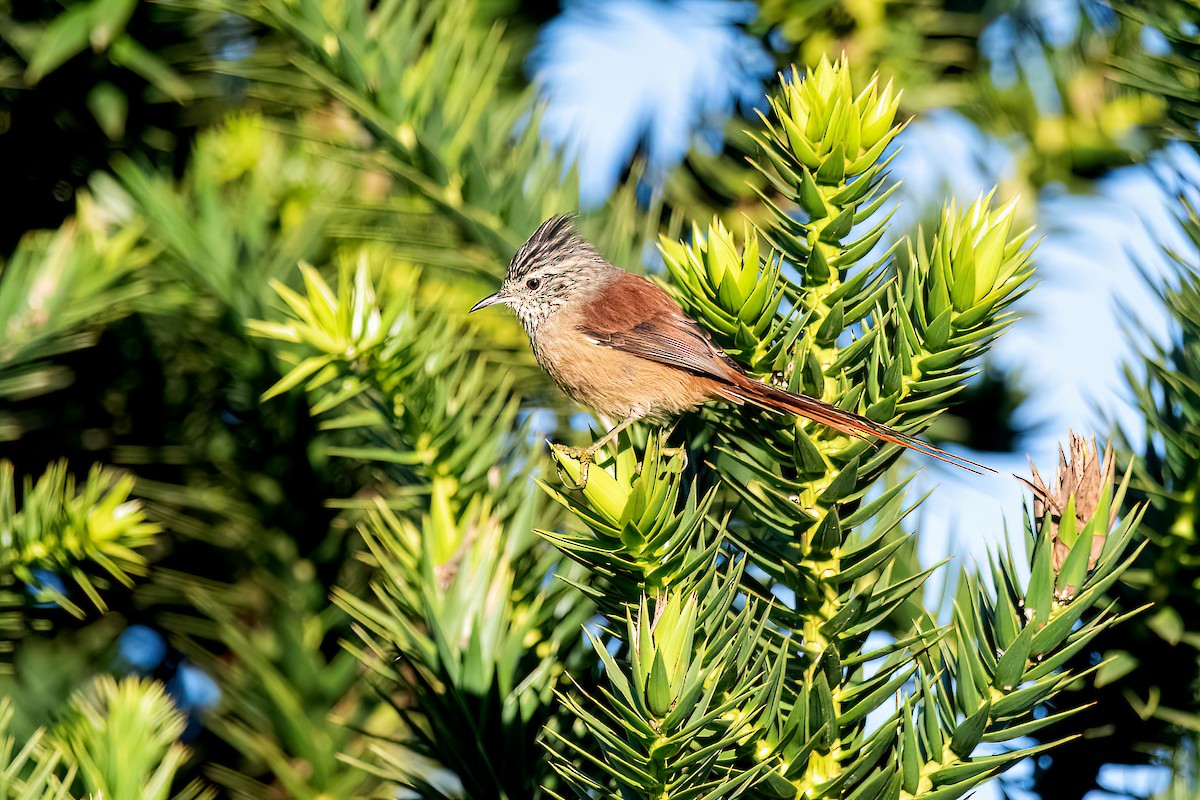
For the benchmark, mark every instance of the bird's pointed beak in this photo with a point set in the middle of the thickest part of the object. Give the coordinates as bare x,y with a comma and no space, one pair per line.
491,299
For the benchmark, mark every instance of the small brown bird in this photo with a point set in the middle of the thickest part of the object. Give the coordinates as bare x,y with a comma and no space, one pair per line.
616,343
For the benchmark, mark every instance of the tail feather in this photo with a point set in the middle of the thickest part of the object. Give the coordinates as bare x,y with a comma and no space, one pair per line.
780,401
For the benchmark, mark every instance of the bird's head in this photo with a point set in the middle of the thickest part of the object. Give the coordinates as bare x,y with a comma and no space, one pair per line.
547,272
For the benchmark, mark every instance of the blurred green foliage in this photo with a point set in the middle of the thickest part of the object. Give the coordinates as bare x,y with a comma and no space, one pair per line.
1174,73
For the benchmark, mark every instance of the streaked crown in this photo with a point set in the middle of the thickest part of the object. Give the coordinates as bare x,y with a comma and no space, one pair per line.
556,242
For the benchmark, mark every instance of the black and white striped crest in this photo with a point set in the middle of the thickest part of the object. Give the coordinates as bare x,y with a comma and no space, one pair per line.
555,241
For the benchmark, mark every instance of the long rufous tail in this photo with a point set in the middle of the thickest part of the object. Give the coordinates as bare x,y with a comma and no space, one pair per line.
748,390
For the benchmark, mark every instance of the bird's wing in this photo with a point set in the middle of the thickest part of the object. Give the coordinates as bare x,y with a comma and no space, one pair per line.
635,316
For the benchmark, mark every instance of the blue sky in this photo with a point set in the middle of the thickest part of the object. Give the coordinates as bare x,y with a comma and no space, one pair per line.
617,71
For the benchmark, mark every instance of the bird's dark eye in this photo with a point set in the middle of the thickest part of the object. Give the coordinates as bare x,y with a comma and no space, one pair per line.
532,283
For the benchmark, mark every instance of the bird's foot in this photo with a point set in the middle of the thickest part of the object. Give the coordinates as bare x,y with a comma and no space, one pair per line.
680,451
584,457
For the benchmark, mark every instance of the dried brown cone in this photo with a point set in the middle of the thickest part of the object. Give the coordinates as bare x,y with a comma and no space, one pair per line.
1085,475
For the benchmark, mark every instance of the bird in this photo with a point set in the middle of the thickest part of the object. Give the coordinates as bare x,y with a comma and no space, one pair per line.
617,343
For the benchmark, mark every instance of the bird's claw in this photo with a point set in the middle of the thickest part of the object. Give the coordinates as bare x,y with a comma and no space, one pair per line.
680,451
584,457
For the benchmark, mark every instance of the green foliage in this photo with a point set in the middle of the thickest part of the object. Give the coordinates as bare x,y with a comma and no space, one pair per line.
1079,122
726,575
771,698
399,388
473,634
116,739
82,79
1053,101
55,290
245,212
125,738
929,46
461,614
99,25
290,708
59,528
737,296
1175,75
917,322
28,769
1184,777
630,547
92,535
425,82
241,489
696,687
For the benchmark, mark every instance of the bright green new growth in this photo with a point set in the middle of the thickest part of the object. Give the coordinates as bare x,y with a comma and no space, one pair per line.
116,739
696,687
54,526
738,583
125,738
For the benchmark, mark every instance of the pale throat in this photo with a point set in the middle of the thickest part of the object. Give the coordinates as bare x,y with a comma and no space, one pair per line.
533,313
